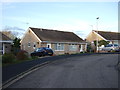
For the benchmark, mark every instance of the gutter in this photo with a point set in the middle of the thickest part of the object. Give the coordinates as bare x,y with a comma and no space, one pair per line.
64,42
4,41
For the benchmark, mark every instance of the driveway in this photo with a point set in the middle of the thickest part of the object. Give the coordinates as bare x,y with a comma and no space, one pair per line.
92,71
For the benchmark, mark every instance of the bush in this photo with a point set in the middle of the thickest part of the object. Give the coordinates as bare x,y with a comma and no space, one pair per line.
8,58
34,57
22,55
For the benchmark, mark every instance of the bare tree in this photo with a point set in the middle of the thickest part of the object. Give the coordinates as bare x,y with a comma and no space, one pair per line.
13,32
9,34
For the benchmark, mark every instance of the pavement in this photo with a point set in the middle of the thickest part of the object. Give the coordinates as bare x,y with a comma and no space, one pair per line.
87,71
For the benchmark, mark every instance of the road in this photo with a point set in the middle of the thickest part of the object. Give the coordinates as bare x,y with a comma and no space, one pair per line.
92,71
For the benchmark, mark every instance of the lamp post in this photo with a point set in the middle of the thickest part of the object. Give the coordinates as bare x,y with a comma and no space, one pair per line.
91,26
97,33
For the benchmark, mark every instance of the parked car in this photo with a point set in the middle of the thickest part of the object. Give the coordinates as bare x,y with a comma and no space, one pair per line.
43,51
111,47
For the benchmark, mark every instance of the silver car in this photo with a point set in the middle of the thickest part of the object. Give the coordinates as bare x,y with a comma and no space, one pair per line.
111,47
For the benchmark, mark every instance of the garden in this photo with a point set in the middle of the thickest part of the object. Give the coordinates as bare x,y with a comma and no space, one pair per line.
16,56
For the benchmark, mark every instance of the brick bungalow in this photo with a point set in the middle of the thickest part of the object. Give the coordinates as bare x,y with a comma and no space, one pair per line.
113,37
61,42
5,44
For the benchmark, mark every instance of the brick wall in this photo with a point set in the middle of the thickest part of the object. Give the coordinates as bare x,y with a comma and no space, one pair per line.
92,36
29,43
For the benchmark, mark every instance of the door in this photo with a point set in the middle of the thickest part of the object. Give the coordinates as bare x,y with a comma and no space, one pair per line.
49,45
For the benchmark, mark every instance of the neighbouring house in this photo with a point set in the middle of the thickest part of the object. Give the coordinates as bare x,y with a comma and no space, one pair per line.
61,42
112,37
5,44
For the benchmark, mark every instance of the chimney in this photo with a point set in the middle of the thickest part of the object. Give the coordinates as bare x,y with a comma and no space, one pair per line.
40,29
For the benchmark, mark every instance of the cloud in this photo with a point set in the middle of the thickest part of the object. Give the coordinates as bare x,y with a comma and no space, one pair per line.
14,29
17,31
81,28
20,19
111,26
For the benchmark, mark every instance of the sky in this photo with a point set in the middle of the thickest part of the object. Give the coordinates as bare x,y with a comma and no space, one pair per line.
77,17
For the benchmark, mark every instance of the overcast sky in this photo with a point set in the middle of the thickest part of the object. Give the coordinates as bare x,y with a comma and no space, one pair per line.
77,17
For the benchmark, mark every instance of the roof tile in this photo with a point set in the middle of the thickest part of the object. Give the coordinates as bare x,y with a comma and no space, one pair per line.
109,35
56,36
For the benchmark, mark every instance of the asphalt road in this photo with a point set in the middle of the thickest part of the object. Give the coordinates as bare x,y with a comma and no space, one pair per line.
92,71
11,71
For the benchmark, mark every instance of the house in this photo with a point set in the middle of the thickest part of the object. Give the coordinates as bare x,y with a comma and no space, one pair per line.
112,37
61,42
5,44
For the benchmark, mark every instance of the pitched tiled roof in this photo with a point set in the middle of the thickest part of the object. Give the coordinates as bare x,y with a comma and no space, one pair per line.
56,36
109,35
4,37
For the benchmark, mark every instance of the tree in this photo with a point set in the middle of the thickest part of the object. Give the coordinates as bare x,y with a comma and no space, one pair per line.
100,43
95,42
9,34
16,42
89,47
103,42
16,45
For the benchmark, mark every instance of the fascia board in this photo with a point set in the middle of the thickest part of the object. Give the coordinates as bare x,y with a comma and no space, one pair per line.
32,33
100,36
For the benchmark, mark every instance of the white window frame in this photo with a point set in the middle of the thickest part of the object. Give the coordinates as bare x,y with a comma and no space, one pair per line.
73,47
59,45
35,45
29,44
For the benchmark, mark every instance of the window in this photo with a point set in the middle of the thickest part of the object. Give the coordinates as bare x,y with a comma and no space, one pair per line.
39,49
73,47
34,45
109,45
29,44
115,45
59,46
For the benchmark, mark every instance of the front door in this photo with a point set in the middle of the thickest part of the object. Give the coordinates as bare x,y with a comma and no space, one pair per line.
49,45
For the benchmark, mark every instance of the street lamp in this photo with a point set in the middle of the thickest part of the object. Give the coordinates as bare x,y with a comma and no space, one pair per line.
91,26
97,33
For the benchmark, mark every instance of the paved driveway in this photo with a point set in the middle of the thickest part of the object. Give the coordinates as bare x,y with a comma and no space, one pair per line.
94,71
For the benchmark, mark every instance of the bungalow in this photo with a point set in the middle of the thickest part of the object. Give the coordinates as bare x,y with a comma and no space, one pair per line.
61,42
5,44
113,37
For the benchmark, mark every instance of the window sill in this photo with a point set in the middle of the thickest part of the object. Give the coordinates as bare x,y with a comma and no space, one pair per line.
73,50
59,50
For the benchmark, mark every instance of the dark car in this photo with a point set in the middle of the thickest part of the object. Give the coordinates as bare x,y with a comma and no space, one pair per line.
43,51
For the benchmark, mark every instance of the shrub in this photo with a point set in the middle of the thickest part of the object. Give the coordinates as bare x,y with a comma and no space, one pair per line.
8,58
22,55
34,57
82,52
